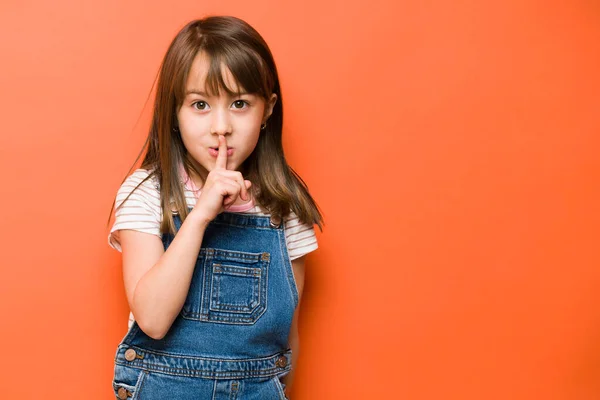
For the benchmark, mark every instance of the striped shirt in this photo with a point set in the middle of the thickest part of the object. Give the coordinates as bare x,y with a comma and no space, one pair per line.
142,212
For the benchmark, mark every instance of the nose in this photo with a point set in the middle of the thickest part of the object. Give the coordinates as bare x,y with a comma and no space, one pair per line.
220,122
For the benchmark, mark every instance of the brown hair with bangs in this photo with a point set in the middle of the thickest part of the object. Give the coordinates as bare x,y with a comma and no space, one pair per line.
231,42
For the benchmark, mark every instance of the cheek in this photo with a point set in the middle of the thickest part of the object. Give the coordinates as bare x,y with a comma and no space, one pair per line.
193,142
190,129
250,135
251,146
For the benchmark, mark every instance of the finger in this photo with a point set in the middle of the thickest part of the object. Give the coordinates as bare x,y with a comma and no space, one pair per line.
243,189
244,184
229,200
230,191
222,156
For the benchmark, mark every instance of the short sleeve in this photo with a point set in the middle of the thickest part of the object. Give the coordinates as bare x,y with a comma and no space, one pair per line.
300,238
141,212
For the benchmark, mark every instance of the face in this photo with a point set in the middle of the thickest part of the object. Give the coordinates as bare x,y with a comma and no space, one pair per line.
202,118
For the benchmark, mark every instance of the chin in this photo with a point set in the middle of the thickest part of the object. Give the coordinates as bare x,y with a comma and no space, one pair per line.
233,167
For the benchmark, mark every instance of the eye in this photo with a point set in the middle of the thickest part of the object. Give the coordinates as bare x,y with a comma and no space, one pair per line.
239,104
199,105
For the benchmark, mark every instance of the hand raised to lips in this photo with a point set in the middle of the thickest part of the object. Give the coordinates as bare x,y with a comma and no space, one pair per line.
222,186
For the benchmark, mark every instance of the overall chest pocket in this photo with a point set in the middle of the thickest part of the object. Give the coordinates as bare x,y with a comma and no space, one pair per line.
228,287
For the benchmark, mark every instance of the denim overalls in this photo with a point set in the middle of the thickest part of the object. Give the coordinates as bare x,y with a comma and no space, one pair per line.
230,340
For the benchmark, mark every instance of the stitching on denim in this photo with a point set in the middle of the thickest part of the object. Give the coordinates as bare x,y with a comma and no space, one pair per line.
236,270
208,359
214,390
230,255
287,266
118,384
139,384
194,373
203,288
210,313
279,388
234,255
226,319
217,306
268,371
214,291
251,220
249,226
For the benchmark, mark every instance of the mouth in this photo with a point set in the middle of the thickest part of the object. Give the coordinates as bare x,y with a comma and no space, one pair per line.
214,151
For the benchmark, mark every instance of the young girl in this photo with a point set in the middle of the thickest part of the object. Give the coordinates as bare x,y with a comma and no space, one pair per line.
213,228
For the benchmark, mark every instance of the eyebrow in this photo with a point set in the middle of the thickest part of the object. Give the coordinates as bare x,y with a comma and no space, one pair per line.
202,93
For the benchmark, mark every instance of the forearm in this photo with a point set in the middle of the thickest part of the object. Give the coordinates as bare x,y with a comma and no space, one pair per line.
161,292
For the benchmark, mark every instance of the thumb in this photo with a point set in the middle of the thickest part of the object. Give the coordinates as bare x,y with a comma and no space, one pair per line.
247,183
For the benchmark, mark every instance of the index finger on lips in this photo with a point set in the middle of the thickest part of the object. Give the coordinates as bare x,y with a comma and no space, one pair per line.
222,156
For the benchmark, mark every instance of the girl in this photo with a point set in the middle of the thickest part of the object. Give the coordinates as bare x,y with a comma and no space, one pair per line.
213,228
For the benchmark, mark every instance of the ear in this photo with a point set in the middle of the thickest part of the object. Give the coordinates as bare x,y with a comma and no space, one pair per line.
269,107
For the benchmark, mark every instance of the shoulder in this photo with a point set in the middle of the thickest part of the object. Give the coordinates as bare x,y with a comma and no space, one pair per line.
300,237
142,178
139,186
137,206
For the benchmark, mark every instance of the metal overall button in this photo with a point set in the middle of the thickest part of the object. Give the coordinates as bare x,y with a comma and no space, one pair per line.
123,393
130,354
281,362
275,223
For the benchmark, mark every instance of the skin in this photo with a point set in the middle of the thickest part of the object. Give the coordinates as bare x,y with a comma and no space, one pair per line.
157,281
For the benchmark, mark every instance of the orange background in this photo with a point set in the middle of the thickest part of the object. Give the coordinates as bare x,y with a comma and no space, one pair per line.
453,147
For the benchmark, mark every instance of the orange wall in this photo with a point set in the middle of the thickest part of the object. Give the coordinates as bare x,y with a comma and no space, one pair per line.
452,145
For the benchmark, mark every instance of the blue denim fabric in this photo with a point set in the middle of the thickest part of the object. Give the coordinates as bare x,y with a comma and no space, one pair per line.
230,340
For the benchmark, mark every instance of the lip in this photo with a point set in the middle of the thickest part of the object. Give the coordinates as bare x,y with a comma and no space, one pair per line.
214,151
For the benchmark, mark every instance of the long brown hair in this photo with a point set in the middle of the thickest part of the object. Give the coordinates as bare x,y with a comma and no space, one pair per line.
234,43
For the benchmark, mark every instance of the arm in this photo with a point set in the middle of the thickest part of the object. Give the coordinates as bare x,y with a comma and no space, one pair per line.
157,282
294,340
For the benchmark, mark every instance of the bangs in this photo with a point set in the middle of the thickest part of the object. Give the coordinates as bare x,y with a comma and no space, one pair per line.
249,71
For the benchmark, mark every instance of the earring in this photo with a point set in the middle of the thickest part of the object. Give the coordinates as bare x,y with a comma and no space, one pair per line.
263,126
175,129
